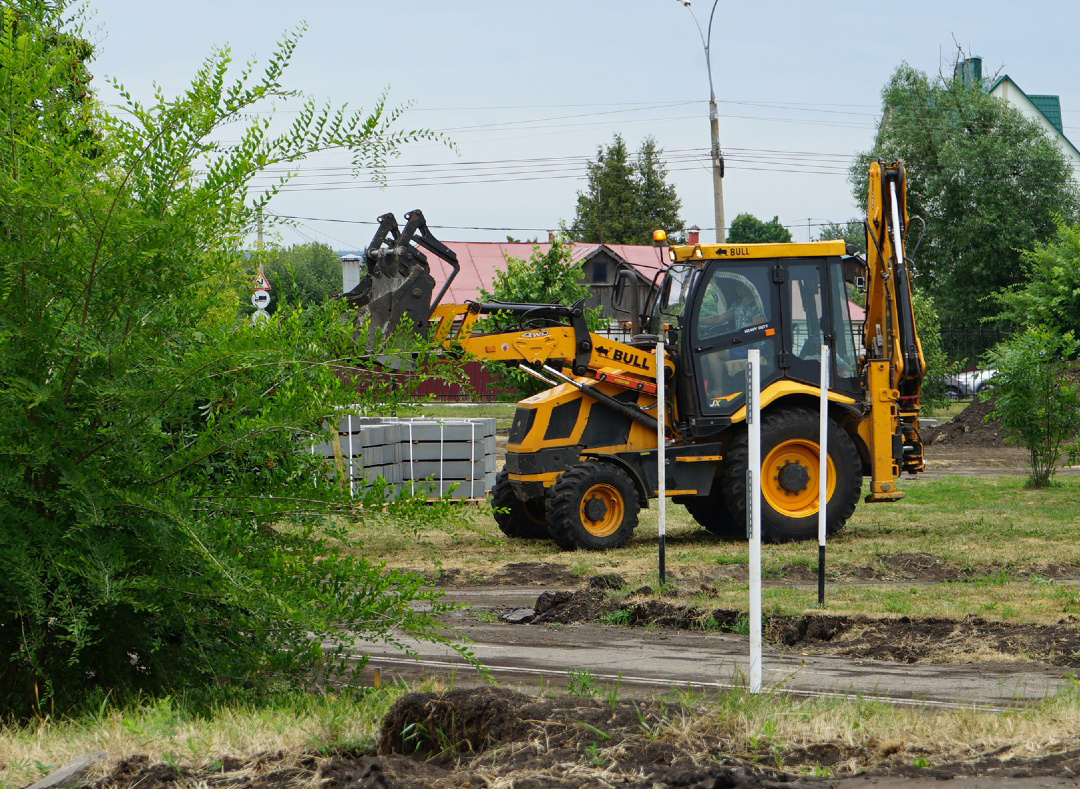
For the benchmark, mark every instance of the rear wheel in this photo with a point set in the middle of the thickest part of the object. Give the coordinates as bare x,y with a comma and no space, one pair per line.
517,518
594,506
789,476
712,514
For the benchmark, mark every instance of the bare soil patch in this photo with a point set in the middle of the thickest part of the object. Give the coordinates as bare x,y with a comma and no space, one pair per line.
901,639
928,568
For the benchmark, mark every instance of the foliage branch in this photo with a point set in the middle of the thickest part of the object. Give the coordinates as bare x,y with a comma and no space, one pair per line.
163,524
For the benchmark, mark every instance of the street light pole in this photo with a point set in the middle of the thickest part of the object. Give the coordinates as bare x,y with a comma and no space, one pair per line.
714,126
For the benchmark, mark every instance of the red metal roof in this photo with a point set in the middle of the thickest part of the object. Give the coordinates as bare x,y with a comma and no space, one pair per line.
480,260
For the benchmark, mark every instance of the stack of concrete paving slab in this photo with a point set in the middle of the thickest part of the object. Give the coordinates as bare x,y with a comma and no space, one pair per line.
370,449
454,457
431,457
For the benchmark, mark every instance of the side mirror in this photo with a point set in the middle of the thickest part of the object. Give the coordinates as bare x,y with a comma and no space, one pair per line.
624,293
626,296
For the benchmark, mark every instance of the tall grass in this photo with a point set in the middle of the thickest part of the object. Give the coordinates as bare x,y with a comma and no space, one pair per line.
194,734
813,736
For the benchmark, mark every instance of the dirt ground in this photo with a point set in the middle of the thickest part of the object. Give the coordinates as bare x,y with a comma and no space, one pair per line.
972,427
493,737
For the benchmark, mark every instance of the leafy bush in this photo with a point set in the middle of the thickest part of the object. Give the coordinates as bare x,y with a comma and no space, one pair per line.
748,229
161,527
1037,396
302,274
1050,296
929,327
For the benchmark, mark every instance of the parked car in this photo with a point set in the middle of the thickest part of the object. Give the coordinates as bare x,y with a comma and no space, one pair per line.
968,385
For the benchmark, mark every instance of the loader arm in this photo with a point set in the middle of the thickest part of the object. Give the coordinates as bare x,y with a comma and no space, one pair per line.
549,347
552,341
894,360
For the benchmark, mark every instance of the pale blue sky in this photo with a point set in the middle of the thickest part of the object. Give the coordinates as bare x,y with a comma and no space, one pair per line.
529,90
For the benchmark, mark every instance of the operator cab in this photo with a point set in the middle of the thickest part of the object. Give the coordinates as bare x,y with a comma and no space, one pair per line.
754,296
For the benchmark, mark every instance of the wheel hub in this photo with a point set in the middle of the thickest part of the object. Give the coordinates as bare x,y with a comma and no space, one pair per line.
790,478
793,477
595,509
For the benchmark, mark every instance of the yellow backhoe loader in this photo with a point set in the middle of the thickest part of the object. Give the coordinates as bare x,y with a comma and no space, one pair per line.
582,455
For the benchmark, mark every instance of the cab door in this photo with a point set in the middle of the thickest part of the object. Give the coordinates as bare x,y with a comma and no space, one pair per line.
735,308
815,311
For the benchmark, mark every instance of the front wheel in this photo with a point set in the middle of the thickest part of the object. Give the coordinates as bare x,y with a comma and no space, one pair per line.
593,505
789,476
517,518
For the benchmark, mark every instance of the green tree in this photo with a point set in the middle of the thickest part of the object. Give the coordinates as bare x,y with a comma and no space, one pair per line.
626,198
748,229
303,274
852,232
1037,397
928,325
658,203
1050,293
158,524
987,181
547,277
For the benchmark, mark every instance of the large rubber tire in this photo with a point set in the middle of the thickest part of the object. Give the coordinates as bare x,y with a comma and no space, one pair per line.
789,476
517,518
712,514
594,506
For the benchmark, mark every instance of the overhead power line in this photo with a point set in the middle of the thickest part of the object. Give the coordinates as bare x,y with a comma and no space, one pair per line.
328,178
373,223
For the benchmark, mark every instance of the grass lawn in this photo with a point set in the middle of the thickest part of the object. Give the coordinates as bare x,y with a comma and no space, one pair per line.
954,546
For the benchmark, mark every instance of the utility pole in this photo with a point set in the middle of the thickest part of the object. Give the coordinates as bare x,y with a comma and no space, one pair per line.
716,154
717,160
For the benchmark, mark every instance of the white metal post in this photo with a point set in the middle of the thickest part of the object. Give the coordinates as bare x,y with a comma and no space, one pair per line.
753,507
352,472
661,456
823,470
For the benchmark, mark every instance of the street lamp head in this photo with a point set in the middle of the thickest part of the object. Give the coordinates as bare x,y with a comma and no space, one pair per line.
685,3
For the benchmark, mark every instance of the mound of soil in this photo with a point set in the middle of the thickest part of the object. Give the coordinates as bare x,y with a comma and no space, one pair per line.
564,608
969,428
461,721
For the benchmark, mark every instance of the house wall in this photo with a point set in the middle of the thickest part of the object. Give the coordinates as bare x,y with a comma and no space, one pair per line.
1007,91
598,273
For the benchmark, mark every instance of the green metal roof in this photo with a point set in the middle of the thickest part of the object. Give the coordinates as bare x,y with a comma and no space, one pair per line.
1050,107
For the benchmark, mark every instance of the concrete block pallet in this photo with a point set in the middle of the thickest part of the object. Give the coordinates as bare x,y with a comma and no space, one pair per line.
434,457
